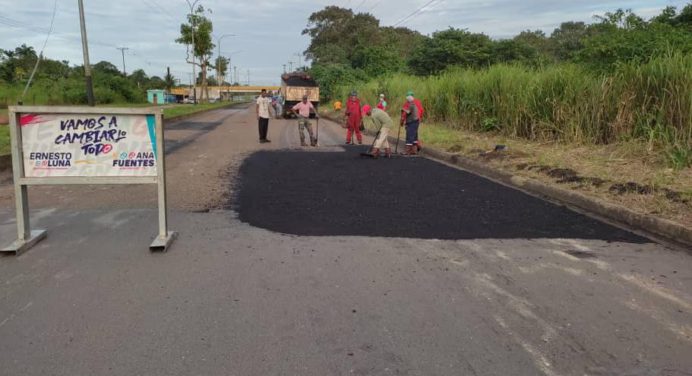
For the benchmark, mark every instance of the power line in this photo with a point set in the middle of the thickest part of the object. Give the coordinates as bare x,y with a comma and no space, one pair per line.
21,25
159,9
374,6
40,55
414,13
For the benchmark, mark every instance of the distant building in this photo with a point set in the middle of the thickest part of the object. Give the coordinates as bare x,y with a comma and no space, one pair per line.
158,96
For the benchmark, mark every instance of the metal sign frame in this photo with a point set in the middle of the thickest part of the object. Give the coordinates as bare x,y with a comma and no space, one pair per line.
26,237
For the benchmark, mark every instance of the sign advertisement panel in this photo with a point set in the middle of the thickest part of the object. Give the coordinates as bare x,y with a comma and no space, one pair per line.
88,145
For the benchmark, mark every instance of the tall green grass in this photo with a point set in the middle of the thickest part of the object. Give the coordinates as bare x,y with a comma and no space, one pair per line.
565,103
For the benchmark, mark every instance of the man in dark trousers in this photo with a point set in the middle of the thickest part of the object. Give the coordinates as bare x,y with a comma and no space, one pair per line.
353,118
262,109
410,116
419,105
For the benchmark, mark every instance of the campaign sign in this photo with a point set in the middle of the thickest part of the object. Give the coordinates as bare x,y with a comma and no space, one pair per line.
88,145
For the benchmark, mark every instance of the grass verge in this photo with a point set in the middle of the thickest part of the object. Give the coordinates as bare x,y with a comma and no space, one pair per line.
4,140
177,110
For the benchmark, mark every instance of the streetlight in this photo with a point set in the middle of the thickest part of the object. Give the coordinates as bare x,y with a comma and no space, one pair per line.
218,60
194,69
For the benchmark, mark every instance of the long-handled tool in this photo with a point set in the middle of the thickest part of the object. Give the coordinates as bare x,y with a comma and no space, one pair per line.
317,131
369,153
398,137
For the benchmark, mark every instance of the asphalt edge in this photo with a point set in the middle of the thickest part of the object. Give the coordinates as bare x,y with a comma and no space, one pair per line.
668,230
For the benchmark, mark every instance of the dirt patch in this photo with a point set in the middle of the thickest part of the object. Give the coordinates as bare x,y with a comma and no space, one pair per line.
631,187
580,254
455,149
674,196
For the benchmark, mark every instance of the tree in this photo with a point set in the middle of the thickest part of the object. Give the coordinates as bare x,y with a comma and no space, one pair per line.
566,40
139,77
511,50
623,37
337,34
156,82
201,27
16,65
106,67
221,65
452,47
169,79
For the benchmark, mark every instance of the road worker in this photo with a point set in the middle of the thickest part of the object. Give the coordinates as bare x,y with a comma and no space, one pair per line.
384,123
354,118
303,110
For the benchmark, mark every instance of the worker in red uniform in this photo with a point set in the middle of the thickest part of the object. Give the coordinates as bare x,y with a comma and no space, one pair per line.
353,118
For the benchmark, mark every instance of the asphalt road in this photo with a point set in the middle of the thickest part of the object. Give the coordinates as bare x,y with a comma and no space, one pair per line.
280,287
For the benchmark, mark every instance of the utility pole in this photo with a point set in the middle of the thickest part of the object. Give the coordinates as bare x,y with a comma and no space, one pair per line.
194,68
85,50
235,75
248,77
284,68
122,49
290,66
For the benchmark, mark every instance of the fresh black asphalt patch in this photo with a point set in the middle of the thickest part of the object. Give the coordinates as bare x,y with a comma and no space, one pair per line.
339,193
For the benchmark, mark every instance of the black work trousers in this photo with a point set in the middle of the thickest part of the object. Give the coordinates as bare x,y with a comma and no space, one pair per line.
263,128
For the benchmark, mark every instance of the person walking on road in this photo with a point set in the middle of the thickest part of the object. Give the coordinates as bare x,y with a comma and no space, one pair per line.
303,110
384,123
353,118
278,104
262,109
410,116
382,103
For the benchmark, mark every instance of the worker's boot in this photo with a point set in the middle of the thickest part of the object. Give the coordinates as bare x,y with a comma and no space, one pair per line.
407,150
388,152
313,141
375,152
414,149
302,142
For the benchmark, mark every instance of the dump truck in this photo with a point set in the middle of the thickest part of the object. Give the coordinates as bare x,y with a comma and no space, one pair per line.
293,86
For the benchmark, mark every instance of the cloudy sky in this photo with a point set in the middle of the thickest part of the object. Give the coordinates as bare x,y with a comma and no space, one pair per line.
268,33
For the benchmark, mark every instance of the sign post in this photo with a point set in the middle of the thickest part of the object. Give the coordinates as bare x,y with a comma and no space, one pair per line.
85,145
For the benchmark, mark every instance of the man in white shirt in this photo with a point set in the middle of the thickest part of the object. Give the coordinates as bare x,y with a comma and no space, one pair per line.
262,109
